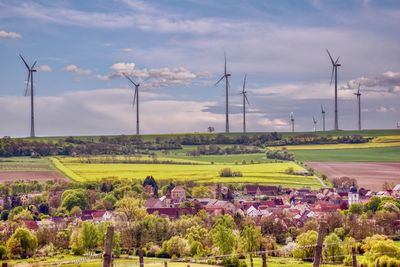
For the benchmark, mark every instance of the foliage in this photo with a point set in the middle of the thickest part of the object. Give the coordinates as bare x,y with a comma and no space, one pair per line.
305,245
22,243
222,234
333,248
202,192
176,246
74,198
227,172
131,208
88,236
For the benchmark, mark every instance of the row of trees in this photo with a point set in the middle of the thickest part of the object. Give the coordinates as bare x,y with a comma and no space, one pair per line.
217,150
316,139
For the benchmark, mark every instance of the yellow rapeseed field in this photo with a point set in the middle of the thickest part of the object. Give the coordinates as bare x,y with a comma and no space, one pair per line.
266,173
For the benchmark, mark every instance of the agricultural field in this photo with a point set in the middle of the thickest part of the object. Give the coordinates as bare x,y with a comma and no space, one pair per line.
263,173
387,154
369,175
26,168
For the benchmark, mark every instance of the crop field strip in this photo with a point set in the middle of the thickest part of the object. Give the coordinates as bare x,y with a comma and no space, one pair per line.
265,173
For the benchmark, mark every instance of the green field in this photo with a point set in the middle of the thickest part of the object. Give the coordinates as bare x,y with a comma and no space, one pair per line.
152,137
25,164
63,260
387,154
264,173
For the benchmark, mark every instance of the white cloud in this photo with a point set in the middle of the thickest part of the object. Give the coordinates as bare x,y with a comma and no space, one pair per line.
126,50
9,35
45,68
385,82
75,69
159,77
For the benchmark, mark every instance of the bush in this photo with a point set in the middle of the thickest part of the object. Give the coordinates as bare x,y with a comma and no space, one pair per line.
227,172
3,252
233,262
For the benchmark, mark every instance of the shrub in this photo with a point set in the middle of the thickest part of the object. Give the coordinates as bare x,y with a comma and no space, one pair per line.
227,172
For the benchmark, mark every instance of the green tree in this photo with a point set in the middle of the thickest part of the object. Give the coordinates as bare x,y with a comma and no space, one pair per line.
22,243
176,246
88,235
251,236
202,192
74,198
356,208
3,252
333,248
305,245
223,238
131,208
75,244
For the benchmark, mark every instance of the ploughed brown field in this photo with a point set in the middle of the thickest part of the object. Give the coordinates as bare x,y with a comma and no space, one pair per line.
370,175
8,176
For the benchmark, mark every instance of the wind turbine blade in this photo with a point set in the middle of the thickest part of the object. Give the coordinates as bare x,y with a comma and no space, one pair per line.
247,100
337,60
33,65
333,69
359,85
27,84
322,109
219,80
225,62
134,98
26,64
333,63
244,83
126,76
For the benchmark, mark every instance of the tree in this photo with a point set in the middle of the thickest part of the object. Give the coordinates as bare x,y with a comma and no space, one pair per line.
74,198
176,246
210,129
305,245
131,208
22,243
333,250
356,208
222,234
75,244
251,236
152,182
88,235
3,252
202,192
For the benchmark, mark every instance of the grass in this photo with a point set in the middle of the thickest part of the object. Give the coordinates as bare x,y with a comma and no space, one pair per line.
25,164
265,173
387,154
157,262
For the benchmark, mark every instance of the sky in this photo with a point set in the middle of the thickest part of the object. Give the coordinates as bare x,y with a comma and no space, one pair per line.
175,50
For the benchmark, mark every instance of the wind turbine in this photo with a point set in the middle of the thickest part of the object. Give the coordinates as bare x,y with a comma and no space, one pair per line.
335,65
31,70
323,117
315,124
398,125
358,94
135,100
226,75
292,120
244,102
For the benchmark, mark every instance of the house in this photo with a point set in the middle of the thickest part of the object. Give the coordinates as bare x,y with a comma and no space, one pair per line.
219,207
178,194
154,203
172,213
253,212
102,216
31,225
259,190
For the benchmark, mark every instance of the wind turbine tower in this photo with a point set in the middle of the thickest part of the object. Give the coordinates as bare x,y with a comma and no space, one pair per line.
323,117
292,120
315,124
225,76
31,70
244,93
135,101
358,94
335,65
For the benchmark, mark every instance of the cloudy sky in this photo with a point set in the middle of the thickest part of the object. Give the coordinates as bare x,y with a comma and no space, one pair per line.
175,49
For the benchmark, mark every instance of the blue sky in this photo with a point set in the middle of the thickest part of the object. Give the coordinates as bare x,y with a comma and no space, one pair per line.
175,49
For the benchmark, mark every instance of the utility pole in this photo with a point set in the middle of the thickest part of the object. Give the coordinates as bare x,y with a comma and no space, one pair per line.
318,248
354,257
141,260
263,255
108,244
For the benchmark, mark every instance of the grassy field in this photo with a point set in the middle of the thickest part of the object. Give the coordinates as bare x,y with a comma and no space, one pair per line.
151,262
25,164
387,154
152,137
265,173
